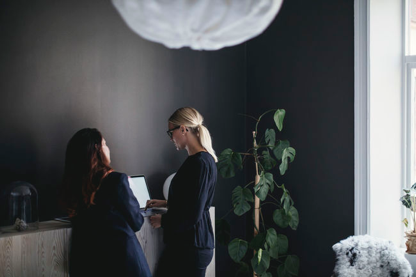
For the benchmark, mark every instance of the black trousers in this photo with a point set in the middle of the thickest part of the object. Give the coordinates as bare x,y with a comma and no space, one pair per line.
184,261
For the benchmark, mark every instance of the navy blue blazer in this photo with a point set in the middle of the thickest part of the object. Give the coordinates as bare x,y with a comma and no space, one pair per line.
103,239
188,222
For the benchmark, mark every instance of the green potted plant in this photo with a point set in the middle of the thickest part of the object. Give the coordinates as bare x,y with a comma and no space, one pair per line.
270,248
409,201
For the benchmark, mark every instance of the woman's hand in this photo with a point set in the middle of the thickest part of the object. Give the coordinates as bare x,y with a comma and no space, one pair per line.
156,221
155,203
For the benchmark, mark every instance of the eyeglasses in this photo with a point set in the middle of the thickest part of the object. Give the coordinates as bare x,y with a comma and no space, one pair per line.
170,131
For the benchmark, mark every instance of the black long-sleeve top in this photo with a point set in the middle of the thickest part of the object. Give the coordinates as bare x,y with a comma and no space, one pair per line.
103,239
188,222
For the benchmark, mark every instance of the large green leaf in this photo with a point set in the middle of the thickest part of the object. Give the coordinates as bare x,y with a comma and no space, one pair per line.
283,244
222,231
261,261
240,198
271,239
237,249
268,162
286,201
267,274
279,147
281,218
243,268
282,272
278,117
270,137
292,264
288,153
258,241
405,199
294,218
227,160
265,183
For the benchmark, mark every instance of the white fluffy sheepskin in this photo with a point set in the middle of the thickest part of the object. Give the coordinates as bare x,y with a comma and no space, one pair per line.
363,256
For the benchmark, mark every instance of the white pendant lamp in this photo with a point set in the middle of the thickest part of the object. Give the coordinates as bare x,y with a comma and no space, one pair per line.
198,24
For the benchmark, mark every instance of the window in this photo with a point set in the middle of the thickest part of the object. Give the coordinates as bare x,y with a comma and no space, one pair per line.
409,69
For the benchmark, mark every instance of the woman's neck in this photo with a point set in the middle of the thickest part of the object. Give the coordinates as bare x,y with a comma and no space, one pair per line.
193,149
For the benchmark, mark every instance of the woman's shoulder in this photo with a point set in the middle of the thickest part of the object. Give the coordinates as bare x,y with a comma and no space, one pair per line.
116,177
202,160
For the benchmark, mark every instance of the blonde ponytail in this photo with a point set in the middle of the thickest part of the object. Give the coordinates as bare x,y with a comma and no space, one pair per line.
192,119
206,142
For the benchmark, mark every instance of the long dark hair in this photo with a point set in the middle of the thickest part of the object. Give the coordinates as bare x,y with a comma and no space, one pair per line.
85,167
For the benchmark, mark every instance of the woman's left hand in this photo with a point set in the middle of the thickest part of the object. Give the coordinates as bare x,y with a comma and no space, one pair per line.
156,221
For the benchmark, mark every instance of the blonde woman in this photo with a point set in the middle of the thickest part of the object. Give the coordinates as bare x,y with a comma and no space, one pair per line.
187,228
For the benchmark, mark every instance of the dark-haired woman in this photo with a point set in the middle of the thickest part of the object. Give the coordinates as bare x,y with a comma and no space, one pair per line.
104,212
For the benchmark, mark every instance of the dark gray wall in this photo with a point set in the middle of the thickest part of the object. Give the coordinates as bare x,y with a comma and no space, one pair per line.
304,63
66,65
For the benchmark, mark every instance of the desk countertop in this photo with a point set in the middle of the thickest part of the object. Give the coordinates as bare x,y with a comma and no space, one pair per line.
43,226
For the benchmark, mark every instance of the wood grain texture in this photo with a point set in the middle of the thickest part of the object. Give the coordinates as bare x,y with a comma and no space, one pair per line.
44,252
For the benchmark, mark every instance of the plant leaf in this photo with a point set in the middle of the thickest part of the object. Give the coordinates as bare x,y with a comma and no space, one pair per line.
227,160
258,241
282,272
407,202
261,261
244,268
279,147
268,162
281,218
278,117
262,188
294,218
283,244
267,274
288,153
222,231
271,239
237,249
405,199
270,137
286,201
292,264
240,198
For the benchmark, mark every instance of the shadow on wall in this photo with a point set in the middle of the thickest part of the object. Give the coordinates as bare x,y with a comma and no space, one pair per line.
17,161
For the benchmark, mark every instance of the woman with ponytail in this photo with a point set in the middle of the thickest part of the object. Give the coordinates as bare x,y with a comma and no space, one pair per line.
103,210
187,228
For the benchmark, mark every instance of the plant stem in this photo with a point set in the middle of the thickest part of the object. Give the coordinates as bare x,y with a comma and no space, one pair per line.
264,146
277,185
273,197
227,213
246,154
412,211
262,219
248,116
248,184
262,116
270,203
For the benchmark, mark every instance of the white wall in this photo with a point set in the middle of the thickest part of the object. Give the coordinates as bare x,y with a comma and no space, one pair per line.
385,119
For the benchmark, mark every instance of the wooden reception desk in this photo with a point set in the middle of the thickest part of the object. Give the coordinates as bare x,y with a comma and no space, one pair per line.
44,252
